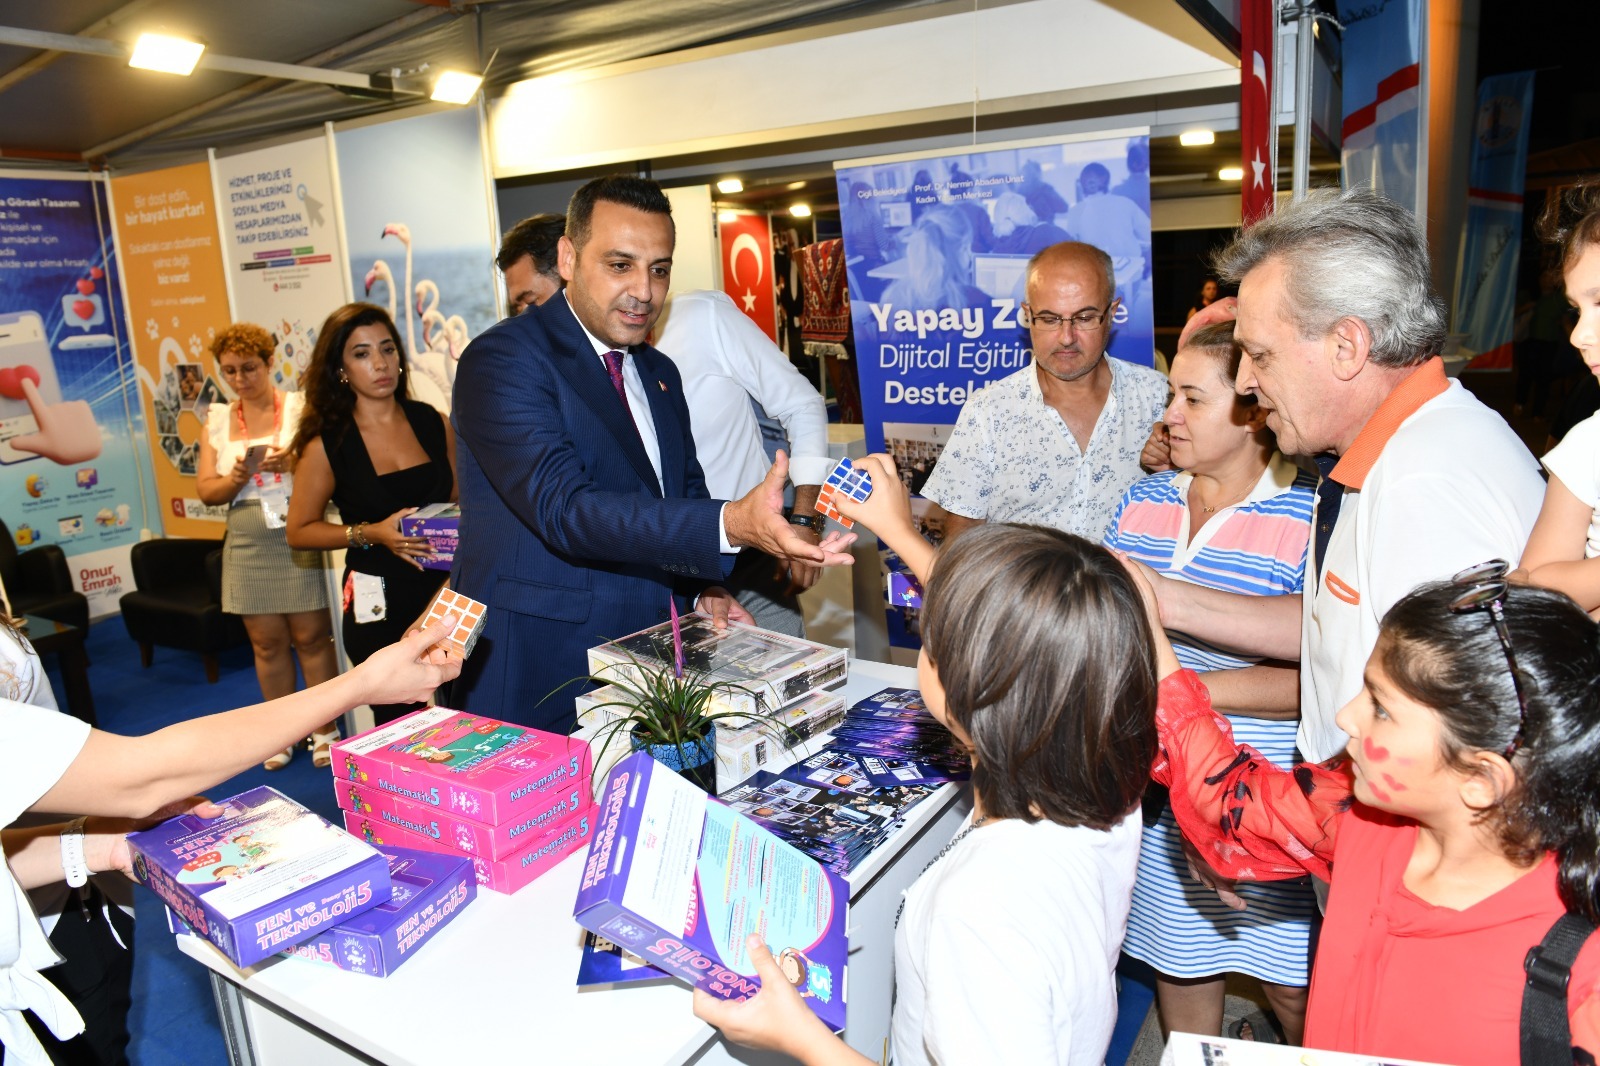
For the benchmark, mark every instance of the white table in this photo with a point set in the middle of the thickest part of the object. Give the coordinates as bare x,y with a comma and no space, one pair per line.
497,984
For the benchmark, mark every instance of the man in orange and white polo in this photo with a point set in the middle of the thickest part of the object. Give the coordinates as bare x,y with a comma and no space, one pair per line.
1340,329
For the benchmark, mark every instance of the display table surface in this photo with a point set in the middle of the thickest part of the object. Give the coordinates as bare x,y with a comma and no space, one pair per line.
497,984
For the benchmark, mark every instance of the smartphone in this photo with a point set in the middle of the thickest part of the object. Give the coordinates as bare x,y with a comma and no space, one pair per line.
253,456
23,345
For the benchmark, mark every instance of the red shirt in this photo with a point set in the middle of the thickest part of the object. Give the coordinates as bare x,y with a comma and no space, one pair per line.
1395,976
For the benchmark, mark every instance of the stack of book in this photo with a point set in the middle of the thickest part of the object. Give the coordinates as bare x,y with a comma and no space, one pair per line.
513,800
782,690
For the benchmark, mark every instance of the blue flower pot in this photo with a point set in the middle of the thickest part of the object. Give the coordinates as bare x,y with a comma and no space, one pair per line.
694,760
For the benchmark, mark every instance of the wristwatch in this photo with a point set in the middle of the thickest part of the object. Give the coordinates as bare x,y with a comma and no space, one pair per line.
812,522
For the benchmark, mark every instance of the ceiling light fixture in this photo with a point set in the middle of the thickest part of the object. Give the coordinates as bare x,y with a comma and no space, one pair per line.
454,87
729,186
169,55
796,185
800,210
725,217
1231,173
1196,138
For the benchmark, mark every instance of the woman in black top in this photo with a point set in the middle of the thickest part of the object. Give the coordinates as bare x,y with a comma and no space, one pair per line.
378,455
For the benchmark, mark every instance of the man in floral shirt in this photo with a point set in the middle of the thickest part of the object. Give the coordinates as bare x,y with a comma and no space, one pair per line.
1057,443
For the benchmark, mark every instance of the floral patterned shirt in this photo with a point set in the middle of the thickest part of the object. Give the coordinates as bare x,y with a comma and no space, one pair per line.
1012,458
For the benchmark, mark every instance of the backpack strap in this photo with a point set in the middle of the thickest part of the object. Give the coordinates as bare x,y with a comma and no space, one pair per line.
1546,1037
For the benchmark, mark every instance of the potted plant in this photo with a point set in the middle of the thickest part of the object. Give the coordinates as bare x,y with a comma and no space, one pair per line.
672,713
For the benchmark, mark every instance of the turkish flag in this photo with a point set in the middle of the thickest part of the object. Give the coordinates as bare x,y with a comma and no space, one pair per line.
747,269
1258,33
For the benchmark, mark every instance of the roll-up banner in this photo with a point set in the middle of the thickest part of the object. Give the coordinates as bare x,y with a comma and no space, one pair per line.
172,271
937,248
1385,99
73,463
1486,284
420,228
280,240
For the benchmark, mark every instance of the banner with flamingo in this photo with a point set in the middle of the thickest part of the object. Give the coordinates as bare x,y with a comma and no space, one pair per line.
172,269
281,244
420,229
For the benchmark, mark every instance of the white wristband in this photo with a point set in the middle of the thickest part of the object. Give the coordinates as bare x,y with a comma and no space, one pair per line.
72,862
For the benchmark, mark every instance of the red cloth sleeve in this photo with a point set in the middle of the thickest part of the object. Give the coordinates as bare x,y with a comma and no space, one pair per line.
1249,819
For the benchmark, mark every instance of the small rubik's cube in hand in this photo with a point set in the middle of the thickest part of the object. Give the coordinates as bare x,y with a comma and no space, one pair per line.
469,624
846,479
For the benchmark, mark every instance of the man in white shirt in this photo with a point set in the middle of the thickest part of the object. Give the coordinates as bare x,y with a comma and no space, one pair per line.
1340,329
1056,443
727,362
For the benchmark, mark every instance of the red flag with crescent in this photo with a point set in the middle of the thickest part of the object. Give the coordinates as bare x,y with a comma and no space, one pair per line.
747,269
1257,123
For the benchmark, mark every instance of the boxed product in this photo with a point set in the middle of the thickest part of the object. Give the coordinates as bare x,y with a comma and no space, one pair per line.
680,880
492,842
479,769
546,848
1188,1049
904,590
764,670
441,524
741,749
261,877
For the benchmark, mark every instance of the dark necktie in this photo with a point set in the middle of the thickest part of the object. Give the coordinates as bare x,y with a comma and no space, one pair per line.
614,368
1330,495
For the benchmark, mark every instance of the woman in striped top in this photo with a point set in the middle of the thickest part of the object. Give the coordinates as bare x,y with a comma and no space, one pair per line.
1235,515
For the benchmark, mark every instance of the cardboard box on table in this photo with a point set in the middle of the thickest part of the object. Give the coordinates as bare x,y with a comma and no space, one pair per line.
681,879
492,842
472,767
263,876
543,851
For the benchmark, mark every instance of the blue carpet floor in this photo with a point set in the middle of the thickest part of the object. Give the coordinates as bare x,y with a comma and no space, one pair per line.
174,1020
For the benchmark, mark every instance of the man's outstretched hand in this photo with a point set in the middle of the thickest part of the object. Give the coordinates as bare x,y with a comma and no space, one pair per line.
756,521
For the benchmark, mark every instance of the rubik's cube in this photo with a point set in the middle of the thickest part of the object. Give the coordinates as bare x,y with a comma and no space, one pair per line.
846,479
469,624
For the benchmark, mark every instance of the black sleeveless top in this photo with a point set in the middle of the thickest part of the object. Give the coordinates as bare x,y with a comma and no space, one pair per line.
364,495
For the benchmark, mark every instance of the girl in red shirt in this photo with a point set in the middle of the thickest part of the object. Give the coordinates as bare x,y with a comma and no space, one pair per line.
1462,822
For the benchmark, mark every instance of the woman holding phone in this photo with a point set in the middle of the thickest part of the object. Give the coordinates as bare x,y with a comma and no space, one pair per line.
280,593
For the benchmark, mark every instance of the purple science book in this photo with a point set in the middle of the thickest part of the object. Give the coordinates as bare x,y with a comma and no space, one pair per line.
263,876
470,766
429,891
680,880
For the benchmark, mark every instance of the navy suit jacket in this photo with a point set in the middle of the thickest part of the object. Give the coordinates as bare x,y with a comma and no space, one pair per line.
565,533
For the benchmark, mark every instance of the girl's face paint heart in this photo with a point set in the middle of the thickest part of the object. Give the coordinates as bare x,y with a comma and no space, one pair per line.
85,287
1392,783
12,377
1372,751
84,309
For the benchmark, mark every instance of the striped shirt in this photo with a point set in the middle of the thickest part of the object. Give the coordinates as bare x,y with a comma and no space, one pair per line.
1256,547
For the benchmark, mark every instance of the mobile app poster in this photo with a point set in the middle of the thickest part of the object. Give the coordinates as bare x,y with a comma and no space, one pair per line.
173,273
73,465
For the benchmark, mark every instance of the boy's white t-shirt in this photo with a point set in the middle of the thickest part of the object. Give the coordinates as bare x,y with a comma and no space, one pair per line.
1576,461
1007,947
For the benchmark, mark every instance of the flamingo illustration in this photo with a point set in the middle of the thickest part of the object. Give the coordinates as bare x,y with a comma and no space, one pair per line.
380,272
403,232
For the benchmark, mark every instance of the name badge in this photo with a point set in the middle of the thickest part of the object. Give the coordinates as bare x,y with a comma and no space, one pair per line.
368,603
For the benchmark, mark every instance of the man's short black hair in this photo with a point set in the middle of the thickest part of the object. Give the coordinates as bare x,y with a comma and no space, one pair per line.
629,190
534,236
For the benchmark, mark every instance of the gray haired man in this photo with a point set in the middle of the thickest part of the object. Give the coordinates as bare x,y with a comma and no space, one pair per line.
1340,330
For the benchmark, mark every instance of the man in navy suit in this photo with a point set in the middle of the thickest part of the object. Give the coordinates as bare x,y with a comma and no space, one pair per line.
583,506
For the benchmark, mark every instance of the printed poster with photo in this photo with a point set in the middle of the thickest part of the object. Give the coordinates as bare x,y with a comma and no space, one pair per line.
172,270
72,448
280,241
937,246
420,228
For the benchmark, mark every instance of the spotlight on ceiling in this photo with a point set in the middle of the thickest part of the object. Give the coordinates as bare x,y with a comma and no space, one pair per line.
454,87
800,210
1196,138
1231,173
729,186
796,185
170,55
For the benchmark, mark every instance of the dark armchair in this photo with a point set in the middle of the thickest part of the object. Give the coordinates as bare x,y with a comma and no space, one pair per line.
177,601
38,581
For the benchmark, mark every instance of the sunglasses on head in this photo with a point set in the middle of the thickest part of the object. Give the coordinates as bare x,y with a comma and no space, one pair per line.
1483,587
